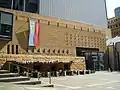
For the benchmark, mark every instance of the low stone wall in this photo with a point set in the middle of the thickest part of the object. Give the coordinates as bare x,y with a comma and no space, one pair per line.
78,66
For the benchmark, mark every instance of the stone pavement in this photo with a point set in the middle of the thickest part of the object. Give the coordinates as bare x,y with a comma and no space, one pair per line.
97,81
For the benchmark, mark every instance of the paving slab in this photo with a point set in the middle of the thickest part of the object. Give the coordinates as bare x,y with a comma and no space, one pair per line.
97,81
14,79
4,75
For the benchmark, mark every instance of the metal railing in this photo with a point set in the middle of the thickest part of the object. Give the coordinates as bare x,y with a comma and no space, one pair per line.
28,69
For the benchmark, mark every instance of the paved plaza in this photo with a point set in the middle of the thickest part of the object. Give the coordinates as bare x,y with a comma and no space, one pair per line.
97,81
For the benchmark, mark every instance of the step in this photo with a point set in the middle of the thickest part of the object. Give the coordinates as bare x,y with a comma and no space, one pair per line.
14,79
47,85
28,82
4,71
4,75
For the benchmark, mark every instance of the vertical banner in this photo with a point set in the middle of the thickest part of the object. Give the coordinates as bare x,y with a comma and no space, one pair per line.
31,32
37,34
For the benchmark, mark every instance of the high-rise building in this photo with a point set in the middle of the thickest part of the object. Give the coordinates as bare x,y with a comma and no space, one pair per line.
117,11
114,25
87,11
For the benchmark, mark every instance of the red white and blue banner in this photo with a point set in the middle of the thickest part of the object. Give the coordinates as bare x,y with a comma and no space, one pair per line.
37,34
34,33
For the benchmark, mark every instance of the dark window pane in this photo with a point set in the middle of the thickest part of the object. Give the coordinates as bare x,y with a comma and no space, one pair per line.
18,4
6,30
5,3
6,25
6,18
32,6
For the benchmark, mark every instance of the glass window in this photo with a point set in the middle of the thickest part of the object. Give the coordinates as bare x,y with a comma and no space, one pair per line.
5,3
5,31
18,5
32,6
6,25
6,18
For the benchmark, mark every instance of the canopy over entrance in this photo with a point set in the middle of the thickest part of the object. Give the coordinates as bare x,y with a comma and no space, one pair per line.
76,63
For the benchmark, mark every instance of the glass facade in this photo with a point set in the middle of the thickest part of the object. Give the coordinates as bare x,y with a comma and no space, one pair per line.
85,11
5,3
32,6
95,61
6,25
22,5
117,11
18,5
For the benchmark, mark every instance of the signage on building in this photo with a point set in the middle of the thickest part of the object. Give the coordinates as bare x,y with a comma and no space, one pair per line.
34,32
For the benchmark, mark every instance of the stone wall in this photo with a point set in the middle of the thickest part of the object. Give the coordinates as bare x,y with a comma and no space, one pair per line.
57,36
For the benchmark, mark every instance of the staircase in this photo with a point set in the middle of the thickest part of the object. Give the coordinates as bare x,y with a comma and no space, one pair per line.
14,78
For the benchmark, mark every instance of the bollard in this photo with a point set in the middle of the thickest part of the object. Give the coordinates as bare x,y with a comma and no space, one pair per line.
49,76
38,75
84,72
65,73
54,74
9,66
57,73
89,72
18,69
27,74
77,72
72,73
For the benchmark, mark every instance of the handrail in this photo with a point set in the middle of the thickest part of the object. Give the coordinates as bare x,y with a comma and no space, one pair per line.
22,66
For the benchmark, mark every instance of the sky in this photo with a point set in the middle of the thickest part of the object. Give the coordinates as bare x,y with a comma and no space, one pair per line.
111,5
